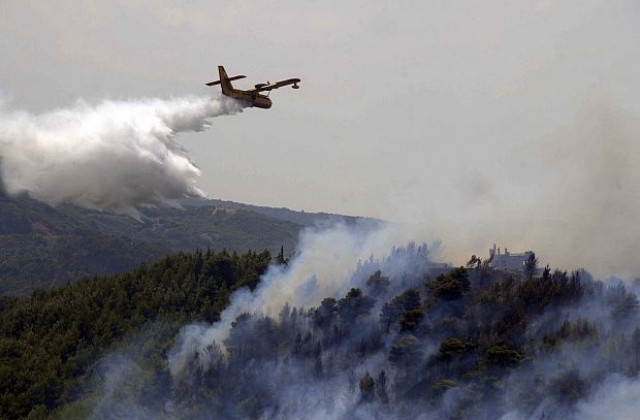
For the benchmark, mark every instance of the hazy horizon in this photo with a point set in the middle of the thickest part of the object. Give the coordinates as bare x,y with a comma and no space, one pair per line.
481,123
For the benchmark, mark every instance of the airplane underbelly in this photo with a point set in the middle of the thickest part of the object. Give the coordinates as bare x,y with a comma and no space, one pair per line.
262,103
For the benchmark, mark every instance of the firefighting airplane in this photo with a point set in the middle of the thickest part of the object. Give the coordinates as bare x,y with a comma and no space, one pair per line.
253,96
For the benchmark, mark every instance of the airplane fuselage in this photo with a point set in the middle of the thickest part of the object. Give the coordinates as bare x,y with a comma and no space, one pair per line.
255,99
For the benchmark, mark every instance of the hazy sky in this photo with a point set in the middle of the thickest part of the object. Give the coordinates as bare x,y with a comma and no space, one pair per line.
483,121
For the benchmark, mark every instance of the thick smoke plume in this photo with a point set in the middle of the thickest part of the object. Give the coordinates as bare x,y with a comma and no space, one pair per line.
324,267
355,327
112,155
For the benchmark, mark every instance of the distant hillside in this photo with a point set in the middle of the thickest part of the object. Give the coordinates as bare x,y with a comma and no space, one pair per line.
234,229
299,217
43,246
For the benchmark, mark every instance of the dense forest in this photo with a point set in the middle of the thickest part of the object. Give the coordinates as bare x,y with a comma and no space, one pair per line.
408,339
470,343
51,342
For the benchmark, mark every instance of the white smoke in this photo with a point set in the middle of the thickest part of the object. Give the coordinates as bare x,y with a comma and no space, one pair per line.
323,267
112,155
616,398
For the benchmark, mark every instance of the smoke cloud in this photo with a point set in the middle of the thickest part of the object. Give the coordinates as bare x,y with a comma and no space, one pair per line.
112,155
356,326
324,267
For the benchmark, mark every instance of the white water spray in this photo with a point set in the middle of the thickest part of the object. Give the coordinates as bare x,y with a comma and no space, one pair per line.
112,155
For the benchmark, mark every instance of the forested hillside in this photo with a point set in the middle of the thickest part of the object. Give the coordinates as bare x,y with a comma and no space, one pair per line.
402,342
51,342
473,343
43,246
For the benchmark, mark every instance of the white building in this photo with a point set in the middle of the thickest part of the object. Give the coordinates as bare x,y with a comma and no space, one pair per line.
508,260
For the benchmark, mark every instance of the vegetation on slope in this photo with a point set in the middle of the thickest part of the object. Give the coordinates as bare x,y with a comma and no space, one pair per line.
50,343
42,246
471,343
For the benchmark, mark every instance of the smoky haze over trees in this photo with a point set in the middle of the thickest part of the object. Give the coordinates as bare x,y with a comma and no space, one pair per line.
463,344
401,338
51,342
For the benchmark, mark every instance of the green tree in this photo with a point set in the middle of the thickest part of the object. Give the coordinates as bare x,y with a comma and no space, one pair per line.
451,348
280,259
502,356
531,265
452,285
405,352
353,305
378,284
405,309
324,314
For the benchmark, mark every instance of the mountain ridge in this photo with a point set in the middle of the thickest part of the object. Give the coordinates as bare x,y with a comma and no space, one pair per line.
44,246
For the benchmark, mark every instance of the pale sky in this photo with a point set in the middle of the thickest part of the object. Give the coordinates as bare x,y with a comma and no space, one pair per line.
513,122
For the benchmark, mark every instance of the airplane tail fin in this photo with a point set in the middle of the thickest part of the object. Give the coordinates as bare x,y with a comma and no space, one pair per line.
225,81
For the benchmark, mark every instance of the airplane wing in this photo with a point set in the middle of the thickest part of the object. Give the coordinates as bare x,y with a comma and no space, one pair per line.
275,85
217,82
